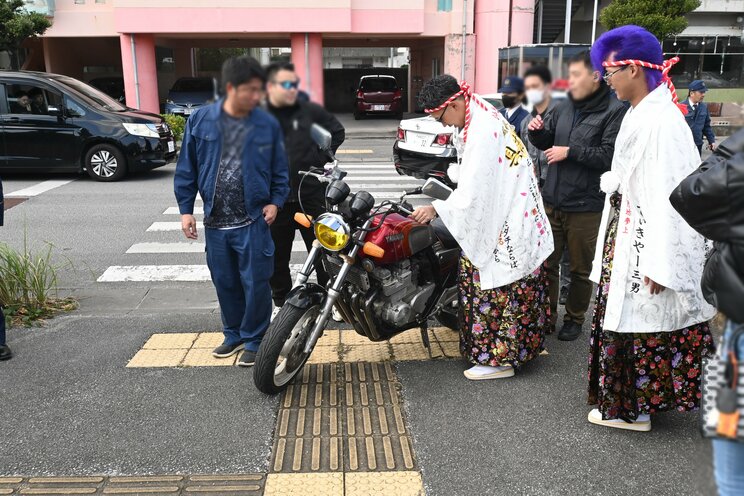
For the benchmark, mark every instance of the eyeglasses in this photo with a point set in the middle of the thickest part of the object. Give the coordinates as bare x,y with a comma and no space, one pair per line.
289,85
608,75
439,119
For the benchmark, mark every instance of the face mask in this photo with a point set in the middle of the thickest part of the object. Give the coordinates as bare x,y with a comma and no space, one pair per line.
509,101
535,97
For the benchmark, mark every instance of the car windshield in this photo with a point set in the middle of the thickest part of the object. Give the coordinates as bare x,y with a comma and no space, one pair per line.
193,86
93,96
379,84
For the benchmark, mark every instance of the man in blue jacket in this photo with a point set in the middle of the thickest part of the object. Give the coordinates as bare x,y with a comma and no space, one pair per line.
512,96
233,156
5,353
698,117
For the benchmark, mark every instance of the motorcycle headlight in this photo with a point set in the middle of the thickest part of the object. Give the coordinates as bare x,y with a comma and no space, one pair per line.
332,232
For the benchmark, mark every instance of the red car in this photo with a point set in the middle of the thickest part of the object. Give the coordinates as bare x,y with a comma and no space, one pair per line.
378,95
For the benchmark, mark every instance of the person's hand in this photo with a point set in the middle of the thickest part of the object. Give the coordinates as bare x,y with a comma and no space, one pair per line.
424,215
188,226
653,287
556,154
712,147
269,213
536,124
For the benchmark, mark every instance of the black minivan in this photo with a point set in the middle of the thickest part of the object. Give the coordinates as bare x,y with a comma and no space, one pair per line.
54,123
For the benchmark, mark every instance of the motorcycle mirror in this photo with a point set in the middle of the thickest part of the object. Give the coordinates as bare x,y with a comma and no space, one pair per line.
434,188
321,137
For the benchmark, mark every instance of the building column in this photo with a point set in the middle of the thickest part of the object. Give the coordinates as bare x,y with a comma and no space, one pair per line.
309,63
523,22
452,63
140,71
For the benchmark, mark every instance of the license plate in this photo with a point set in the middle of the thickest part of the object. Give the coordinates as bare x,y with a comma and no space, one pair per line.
420,139
187,111
380,108
171,146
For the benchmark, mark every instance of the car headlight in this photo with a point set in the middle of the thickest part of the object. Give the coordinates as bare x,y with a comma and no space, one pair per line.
144,130
170,101
332,232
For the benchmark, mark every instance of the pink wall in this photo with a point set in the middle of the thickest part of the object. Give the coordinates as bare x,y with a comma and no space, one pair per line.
492,33
523,15
146,82
453,57
315,58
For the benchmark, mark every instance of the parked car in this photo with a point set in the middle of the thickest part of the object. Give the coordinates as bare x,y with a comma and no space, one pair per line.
423,147
53,123
112,86
376,95
188,94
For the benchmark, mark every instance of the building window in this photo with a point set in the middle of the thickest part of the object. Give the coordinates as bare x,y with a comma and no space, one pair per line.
436,68
717,60
444,5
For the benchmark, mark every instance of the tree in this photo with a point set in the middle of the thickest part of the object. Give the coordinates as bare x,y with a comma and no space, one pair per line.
17,25
663,18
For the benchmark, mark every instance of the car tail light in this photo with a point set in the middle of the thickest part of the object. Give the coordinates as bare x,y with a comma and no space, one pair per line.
398,94
360,94
401,134
443,139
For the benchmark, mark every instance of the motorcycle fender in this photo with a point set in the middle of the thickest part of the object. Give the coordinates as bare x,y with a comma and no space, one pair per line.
306,295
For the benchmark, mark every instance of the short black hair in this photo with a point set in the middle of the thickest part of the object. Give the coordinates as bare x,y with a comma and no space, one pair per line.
582,58
241,70
273,69
540,71
437,91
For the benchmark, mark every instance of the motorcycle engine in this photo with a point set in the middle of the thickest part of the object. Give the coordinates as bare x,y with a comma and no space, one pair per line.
401,298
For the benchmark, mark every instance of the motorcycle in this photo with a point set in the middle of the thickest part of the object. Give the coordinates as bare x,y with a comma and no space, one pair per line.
388,274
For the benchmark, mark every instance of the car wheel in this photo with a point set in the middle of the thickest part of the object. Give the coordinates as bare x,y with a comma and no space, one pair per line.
105,163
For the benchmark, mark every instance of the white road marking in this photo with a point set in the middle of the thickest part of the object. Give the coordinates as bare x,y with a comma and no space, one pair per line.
185,247
162,273
38,189
170,226
175,211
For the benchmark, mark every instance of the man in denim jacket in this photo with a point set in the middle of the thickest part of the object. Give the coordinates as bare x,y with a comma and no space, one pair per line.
233,156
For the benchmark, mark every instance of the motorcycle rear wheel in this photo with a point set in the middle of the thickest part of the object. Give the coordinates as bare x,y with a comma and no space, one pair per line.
281,355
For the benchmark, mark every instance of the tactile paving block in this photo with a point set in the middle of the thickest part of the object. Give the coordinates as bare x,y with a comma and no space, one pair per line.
157,358
416,351
376,352
451,349
209,340
167,341
202,357
313,484
445,334
384,484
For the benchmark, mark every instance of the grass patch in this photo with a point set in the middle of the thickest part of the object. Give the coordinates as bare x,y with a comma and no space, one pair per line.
29,286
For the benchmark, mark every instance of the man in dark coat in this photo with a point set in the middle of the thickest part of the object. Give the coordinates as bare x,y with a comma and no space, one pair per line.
512,96
698,117
579,140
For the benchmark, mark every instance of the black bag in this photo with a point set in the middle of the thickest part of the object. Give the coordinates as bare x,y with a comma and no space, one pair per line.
722,404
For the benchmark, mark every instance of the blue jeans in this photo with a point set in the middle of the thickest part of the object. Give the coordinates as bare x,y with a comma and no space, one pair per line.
241,262
728,456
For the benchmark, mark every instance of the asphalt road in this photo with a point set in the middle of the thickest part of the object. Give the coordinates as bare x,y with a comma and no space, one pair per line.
69,406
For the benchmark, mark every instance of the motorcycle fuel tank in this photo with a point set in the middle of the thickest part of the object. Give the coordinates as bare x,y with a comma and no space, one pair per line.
400,237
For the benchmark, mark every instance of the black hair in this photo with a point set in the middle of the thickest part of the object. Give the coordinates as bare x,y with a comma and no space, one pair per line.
582,58
273,69
437,91
540,71
241,70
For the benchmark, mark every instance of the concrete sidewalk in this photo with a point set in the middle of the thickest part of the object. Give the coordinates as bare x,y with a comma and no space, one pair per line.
372,127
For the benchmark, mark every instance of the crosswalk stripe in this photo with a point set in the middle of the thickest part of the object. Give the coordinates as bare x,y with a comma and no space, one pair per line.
170,226
39,188
175,211
185,247
163,273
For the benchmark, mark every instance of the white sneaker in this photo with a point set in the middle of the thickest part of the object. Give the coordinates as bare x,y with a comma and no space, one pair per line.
336,315
485,372
641,424
275,312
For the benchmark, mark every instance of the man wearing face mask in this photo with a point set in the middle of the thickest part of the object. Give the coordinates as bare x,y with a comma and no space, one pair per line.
512,95
537,81
578,138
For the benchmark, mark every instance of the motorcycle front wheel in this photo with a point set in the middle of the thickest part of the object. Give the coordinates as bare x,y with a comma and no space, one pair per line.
281,355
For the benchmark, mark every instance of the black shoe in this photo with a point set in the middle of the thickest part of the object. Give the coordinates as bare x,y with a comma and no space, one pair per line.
247,359
5,353
564,295
226,350
570,331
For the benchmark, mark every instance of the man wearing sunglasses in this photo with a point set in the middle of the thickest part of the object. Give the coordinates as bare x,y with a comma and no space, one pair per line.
296,117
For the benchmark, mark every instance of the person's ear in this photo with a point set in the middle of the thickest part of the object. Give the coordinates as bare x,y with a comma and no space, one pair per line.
595,76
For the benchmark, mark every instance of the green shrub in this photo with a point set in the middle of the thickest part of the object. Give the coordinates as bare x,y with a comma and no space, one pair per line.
177,124
28,285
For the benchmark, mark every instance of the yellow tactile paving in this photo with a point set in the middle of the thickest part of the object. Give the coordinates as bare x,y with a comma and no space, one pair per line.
142,490
350,337
10,480
451,349
157,358
329,338
384,484
445,334
416,351
168,341
202,357
209,340
376,352
311,484
324,354
6,491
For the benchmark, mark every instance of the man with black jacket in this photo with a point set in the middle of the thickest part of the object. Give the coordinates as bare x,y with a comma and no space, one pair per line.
296,118
579,139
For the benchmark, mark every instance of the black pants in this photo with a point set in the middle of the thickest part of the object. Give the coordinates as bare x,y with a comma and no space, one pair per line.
283,231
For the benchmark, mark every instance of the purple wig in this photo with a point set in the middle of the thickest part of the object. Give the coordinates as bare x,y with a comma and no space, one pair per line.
629,42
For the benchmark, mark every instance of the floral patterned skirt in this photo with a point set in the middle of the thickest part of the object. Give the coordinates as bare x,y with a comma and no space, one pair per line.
503,326
631,374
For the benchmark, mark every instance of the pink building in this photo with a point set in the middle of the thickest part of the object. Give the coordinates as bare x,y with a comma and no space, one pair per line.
95,38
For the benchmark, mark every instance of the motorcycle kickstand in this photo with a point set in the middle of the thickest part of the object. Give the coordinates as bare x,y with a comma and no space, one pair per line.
425,338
